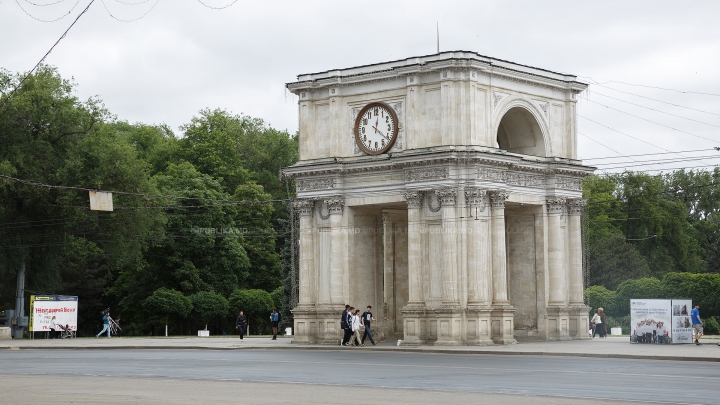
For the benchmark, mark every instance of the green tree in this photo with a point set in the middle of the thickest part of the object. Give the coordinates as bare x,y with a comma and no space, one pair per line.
209,306
646,288
256,304
600,297
168,302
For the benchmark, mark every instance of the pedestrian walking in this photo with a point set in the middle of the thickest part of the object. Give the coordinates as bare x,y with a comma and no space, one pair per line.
597,323
53,327
240,324
346,325
356,328
367,318
603,326
106,324
274,318
697,324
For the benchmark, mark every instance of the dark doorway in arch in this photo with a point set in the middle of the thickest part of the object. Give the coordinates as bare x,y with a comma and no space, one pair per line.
519,132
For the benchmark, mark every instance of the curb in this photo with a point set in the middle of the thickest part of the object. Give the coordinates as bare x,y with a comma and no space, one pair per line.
385,349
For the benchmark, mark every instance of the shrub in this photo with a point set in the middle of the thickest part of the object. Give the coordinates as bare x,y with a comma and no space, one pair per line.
598,296
645,288
710,326
256,304
208,305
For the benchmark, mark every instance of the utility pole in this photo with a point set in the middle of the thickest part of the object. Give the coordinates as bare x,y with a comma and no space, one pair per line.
20,302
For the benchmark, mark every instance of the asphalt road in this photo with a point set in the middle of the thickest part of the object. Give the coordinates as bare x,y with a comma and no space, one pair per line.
567,380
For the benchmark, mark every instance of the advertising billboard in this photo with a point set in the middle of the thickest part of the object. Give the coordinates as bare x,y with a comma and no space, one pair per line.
43,307
660,321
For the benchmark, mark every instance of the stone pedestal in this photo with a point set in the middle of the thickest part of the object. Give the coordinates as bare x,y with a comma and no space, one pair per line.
306,325
449,327
329,326
478,321
579,322
502,326
558,323
414,325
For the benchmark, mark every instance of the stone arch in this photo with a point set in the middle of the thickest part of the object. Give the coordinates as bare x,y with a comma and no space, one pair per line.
521,129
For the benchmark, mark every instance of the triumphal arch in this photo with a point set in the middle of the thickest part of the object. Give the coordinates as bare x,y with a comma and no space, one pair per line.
445,191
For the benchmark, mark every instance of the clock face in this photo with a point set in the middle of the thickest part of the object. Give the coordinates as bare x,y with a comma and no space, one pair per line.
376,128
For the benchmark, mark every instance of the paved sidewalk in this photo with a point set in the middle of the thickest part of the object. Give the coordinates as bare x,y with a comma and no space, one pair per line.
611,347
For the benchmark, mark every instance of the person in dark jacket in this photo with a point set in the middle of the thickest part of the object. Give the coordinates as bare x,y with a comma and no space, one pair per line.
345,325
603,328
240,324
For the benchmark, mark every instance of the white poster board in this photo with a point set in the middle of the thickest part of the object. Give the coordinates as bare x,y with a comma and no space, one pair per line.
43,307
681,322
650,321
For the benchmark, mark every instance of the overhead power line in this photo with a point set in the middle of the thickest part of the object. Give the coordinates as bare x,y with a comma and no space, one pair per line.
217,8
46,55
654,87
134,19
651,154
47,21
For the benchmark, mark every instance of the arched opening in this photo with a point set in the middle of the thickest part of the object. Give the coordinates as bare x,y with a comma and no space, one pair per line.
519,132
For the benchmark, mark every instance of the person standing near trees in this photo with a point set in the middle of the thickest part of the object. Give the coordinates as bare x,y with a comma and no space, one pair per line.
274,318
603,328
697,324
240,324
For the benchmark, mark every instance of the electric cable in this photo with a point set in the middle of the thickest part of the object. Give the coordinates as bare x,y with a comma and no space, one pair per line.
47,21
217,8
134,19
9,96
654,87
44,5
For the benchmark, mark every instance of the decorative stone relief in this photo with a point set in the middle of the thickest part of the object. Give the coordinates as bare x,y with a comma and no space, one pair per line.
568,183
576,205
335,204
413,198
495,175
447,196
437,205
543,106
525,180
497,97
315,184
497,198
306,206
476,197
556,205
425,174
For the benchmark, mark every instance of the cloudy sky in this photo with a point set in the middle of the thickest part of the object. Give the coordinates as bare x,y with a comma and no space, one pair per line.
181,56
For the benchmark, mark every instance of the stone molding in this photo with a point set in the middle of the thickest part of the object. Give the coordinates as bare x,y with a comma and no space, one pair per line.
568,183
476,197
414,199
335,204
556,205
497,198
306,206
496,175
426,174
501,163
322,183
525,180
447,196
576,205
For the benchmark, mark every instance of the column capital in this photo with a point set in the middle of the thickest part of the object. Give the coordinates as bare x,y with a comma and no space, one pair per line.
556,205
335,204
476,197
447,196
498,197
306,206
576,205
414,198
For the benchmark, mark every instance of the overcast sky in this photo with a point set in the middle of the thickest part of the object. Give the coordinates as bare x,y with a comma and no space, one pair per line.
182,57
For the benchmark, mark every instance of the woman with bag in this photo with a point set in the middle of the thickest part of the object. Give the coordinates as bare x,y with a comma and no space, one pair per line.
597,322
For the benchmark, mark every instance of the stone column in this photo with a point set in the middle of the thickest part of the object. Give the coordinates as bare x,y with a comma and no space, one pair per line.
338,250
305,318
447,197
479,261
578,310
307,253
502,316
449,316
499,256
575,209
556,245
413,313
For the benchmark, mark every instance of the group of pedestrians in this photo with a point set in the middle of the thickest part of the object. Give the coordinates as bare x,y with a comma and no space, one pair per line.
354,325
